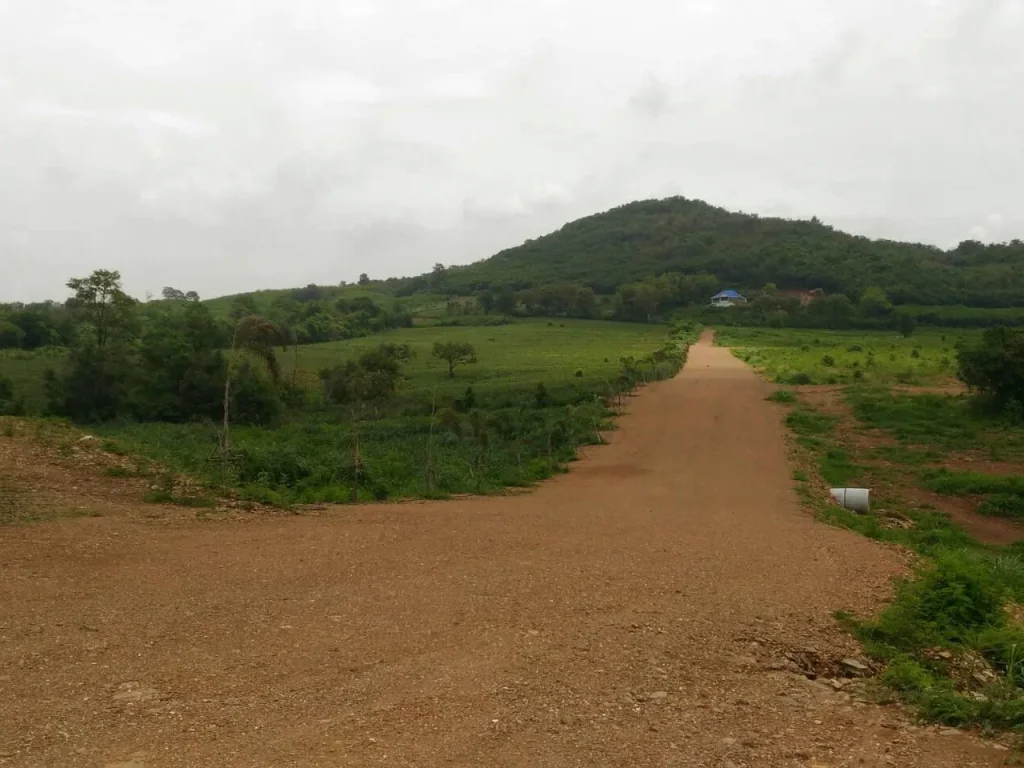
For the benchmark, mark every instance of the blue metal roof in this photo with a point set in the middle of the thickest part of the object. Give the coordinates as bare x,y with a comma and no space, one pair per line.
729,294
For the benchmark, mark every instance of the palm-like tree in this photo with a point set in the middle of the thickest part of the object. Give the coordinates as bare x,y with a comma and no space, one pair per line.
255,336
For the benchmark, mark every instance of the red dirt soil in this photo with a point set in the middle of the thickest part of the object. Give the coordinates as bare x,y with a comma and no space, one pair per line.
634,612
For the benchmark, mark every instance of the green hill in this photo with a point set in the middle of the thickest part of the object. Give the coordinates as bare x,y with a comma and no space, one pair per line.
653,237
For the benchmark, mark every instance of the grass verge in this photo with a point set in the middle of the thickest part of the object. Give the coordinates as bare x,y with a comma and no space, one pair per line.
952,641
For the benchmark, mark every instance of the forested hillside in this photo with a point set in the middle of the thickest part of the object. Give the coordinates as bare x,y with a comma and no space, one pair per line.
653,237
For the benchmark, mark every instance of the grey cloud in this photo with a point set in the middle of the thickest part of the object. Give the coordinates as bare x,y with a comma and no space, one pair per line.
231,146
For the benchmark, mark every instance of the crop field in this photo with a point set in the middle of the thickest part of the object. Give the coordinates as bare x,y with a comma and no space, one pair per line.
511,419
792,356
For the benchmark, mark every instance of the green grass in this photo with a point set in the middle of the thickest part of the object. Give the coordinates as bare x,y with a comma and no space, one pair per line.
1002,495
796,356
955,602
904,455
513,358
961,483
808,422
418,444
939,421
25,370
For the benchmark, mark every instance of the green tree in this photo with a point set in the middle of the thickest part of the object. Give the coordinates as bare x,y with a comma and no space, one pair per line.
101,307
836,311
506,302
243,306
364,279
101,367
875,303
172,294
11,336
486,300
373,377
438,277
454,353
995,367
182,370
905,324
254,338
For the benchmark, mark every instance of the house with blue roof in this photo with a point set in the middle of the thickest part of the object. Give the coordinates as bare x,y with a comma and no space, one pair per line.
728,298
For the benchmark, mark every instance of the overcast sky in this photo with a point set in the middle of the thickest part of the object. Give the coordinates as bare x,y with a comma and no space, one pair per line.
228,145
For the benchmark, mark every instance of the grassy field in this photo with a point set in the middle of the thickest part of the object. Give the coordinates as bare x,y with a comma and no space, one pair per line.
25,370
959,612
512,358
431,439
790,356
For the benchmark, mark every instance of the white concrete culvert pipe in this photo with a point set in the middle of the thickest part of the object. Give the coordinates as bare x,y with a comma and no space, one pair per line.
854,499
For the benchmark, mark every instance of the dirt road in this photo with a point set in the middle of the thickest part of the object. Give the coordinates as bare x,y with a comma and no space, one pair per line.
635,612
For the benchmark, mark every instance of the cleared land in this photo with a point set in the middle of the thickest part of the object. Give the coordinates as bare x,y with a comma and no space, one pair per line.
638,611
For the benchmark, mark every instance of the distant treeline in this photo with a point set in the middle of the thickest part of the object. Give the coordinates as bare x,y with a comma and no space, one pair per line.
306,315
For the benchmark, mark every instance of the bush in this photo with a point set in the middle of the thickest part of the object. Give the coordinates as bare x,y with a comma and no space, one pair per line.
782,396
9,405
796,379
828,361
907,676
951,601
254,398
995,367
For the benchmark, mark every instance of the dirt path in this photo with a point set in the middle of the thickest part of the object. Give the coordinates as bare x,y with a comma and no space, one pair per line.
632,613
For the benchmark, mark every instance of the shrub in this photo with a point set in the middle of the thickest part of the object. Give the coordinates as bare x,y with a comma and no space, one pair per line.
907,676
9,405
254,398
782,396
828,361
995,367
797,379
949,603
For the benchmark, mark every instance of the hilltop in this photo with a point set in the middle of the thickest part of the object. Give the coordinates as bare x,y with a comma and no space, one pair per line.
652,237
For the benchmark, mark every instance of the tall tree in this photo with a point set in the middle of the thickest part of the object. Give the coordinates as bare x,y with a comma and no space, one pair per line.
101,306
254,337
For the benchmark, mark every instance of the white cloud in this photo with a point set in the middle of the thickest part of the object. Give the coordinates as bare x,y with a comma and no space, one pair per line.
314,139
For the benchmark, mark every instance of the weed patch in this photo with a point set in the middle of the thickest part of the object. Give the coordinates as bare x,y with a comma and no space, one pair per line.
783,396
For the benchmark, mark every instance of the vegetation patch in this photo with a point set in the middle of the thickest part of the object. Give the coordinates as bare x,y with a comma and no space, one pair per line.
794,357
950,643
